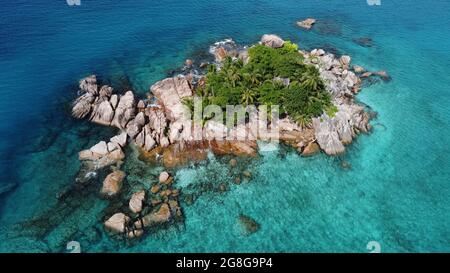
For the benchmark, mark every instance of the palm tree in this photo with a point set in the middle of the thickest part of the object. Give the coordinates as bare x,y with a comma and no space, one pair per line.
302,120
311,79
248,97
212,68
227,63
232,76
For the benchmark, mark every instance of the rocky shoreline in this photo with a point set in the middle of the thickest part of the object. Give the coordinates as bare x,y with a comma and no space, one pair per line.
158,126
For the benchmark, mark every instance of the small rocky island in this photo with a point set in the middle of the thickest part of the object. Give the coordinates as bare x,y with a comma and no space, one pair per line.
315,91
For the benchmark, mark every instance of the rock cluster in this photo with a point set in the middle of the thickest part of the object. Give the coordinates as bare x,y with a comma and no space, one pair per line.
102,106
228,48
147,209
333,132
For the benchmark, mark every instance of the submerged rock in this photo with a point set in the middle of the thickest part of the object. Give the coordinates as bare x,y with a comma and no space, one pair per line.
307,23
359,69
364,41
249,224
233,162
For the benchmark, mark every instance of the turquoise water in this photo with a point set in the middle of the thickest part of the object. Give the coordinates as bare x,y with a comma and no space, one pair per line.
396,192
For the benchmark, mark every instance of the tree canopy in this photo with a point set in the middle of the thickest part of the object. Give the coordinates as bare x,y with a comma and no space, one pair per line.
271,77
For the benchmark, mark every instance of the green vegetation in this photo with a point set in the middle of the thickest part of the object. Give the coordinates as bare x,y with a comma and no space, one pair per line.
260,82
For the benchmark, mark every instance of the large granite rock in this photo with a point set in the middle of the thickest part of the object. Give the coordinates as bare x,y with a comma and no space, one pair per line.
272,40
170,93
125,110
116,224
100,148
120,139
136,201
333,132
327,137
102,113
113,183
83,105
89,85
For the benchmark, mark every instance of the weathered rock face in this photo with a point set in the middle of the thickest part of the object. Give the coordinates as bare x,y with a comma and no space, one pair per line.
220,53
103,113
113,183
116,224
136,201
272,40
125,110
104,107
100,148
328,138
89,85
223,49
170,93
307,23
345,61
333,132
120,139
238,148
83,105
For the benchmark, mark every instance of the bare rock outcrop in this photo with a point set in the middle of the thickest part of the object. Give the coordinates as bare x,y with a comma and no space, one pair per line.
116,224
170,93
113,183
136,201
272,40
104,107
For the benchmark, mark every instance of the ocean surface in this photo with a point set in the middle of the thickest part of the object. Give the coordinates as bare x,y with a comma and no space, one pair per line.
396,192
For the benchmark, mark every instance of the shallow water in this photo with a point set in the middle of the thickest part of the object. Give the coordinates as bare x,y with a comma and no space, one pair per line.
396,191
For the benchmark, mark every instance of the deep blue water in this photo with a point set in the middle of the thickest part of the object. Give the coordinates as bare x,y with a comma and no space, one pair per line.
397,191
